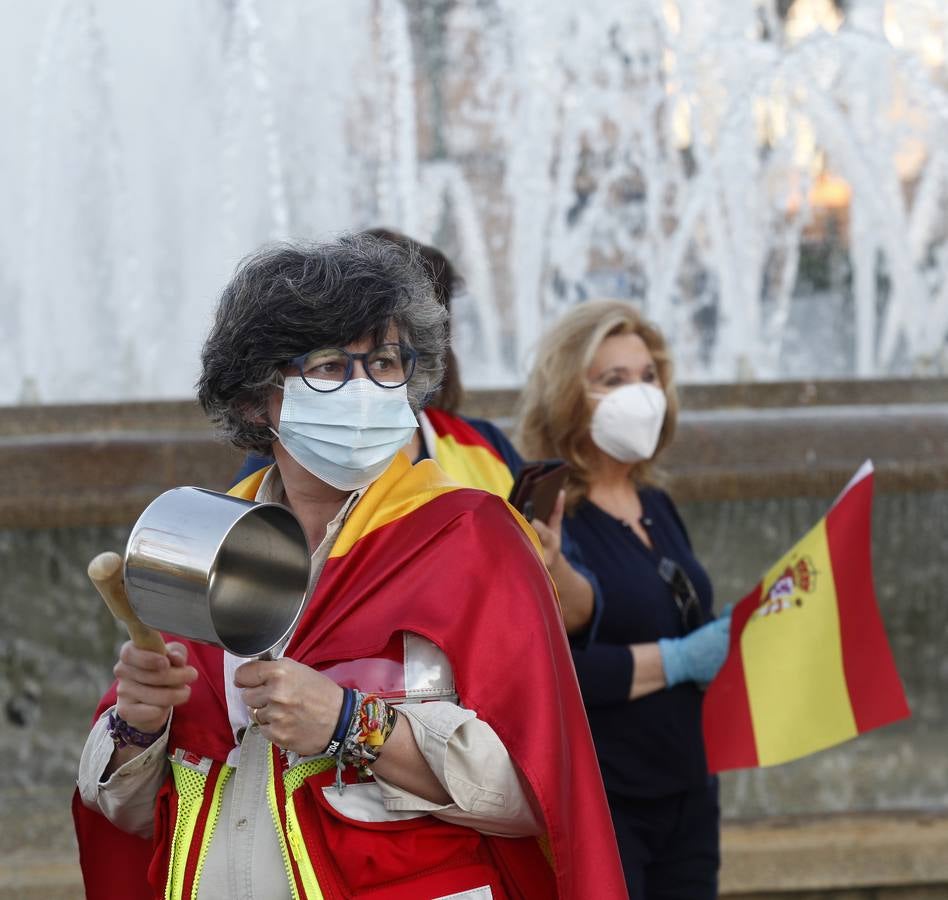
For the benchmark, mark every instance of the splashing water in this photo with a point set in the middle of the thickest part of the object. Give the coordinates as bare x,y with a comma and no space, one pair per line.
768,180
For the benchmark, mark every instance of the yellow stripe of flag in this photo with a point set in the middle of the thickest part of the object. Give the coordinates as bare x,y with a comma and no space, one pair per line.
793,659
474,466
401,489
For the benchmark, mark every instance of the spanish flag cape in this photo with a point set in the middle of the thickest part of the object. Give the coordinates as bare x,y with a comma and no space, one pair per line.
457,567
809,665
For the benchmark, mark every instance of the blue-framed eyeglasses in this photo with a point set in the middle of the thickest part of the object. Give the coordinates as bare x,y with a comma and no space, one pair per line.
328,369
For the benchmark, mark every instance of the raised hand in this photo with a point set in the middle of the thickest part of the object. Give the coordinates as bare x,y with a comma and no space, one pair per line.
150,684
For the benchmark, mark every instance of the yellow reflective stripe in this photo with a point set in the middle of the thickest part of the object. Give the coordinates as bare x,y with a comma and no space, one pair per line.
292,780
298,846
191,787
275,813
212,815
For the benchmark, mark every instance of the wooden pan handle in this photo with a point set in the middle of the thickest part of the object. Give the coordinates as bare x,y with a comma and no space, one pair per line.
105,571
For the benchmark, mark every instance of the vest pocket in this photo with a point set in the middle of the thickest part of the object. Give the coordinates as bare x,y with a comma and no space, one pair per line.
462,883
398,858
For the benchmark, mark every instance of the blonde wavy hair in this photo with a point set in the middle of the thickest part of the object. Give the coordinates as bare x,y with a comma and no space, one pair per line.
555,409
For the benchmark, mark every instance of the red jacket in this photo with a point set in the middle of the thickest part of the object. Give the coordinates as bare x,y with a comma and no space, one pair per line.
457,567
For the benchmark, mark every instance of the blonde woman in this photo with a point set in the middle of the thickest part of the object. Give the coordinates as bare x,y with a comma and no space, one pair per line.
601,396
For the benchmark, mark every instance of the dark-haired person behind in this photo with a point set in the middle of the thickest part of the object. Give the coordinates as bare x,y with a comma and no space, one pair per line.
398,746
476,453
472,451
601,396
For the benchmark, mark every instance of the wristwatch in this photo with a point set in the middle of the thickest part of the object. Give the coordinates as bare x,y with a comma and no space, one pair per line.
123,734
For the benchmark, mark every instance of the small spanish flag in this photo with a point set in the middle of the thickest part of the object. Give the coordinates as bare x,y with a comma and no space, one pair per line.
464,453
809,665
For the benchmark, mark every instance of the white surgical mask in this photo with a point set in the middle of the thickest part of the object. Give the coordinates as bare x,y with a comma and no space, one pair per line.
628,421
347,437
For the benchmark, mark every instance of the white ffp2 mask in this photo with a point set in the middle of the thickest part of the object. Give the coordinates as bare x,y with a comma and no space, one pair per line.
347,437
628,421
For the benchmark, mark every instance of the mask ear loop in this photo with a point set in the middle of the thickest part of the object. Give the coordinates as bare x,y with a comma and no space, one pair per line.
277,380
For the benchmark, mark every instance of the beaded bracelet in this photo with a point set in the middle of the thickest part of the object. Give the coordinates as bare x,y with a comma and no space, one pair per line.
124,735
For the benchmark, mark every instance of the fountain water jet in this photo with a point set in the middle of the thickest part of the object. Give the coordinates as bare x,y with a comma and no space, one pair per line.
673,153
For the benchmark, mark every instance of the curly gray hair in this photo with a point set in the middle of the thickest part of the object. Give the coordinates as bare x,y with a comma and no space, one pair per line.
288,299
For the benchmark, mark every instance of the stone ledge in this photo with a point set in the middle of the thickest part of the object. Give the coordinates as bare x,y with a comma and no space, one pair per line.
870,852
104,479
744,454
158,415
850,391
106,476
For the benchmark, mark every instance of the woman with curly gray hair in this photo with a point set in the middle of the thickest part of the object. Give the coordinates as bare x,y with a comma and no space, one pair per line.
285,300
321,772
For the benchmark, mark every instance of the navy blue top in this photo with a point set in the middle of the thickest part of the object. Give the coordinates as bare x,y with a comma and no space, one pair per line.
652,746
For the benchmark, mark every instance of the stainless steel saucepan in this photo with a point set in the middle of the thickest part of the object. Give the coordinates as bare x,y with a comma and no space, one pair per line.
218,569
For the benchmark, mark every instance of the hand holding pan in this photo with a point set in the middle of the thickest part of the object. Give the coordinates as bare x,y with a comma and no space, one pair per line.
105,571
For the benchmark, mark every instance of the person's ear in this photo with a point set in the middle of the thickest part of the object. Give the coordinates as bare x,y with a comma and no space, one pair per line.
256,414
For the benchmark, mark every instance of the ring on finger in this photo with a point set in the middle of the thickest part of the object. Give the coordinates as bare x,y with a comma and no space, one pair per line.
253,716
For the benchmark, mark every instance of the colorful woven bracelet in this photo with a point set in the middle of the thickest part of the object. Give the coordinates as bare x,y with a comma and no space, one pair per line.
372,727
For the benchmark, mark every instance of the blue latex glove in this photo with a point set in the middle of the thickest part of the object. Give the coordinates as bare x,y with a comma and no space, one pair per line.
697,656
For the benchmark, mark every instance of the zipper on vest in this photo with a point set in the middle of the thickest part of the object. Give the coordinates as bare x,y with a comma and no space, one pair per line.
273,803
296,839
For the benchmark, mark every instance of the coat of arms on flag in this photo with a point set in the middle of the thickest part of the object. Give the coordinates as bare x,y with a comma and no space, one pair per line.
809,664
